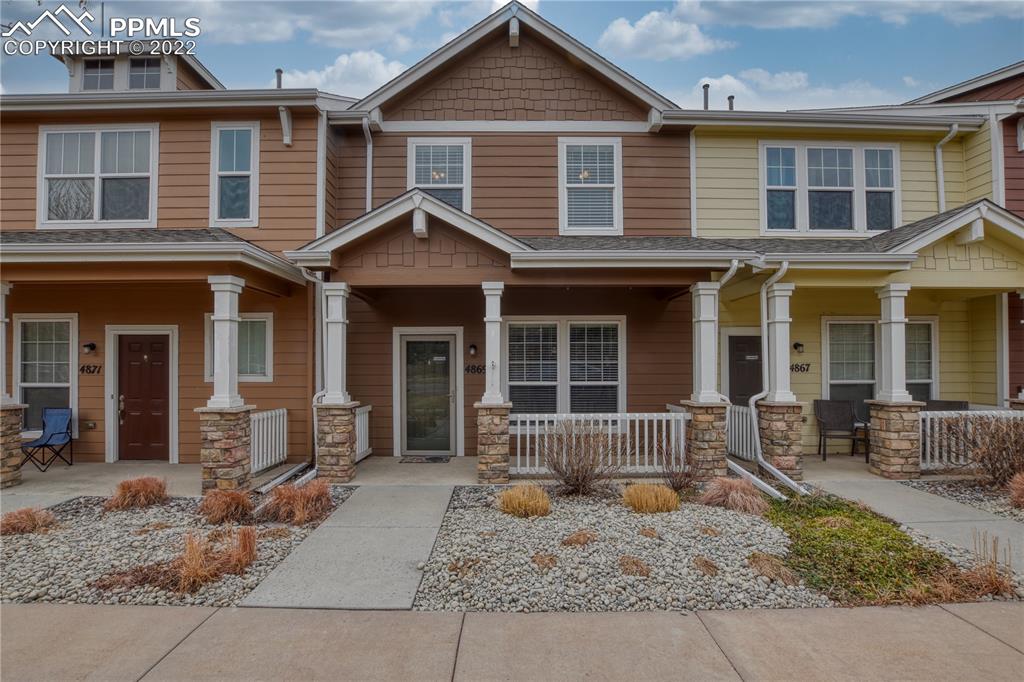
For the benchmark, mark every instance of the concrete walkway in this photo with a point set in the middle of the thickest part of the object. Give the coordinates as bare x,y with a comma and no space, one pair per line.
364,555
967,641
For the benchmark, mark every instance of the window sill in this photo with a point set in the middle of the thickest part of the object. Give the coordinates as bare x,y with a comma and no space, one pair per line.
590,232
230,224
98,226
811,234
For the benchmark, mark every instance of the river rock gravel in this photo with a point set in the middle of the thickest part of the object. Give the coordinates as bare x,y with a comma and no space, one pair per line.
483,560
971,492
88,543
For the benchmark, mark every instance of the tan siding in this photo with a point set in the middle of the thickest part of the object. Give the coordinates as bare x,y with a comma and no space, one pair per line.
188,79
978,164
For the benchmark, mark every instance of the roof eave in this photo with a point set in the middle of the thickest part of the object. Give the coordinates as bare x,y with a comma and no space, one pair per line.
603,258
178,99
817,120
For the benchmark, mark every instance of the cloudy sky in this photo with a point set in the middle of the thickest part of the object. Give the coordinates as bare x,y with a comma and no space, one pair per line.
771,55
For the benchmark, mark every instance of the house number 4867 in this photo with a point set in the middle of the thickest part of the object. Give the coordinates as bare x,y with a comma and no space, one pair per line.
800,367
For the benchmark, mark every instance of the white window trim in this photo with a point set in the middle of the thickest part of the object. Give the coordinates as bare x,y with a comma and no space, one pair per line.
467,166
563,204
247,378
562,340
18,318
159,70
1020,134
113,73
254,173
859,187
43,223
826,382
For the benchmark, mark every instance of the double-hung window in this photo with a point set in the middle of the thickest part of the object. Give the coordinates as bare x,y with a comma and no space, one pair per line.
590,185
144,73
98,74
566,365
442,167
255,347
102,176
920,360
234,175
45,348
829,188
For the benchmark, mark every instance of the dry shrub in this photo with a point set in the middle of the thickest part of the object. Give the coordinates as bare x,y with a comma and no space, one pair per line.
463,567
677,469
298,506
136,493
221,506
525,501
580,538
220,534
649,498
710,531
705,565
991,444
1016,489
197,564
737,494
581,457
275,533
772,568
242,553
835,522
27,520
632,565
649,533
544,561
152,528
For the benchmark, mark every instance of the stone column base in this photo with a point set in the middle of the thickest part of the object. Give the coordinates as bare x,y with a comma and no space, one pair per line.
336,442
492,442
895,439
11,415
705,439
1017,403
780,426
225,451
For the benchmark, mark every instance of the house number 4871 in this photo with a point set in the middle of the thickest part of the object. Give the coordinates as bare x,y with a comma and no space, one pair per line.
800,367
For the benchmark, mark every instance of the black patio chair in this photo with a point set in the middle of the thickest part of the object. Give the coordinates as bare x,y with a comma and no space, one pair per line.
945,405
837,419
56,437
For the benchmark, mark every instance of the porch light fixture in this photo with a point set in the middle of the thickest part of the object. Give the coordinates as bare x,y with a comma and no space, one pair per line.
88,348
798,347
472,350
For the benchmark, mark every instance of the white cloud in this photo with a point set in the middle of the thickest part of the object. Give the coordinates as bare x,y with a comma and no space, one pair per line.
760,90
658,35
782,81
354,74
911,82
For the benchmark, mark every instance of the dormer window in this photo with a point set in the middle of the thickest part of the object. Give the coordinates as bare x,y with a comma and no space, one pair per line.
98,74
144,74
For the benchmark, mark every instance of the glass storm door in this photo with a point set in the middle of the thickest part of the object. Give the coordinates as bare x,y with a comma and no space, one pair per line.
428,395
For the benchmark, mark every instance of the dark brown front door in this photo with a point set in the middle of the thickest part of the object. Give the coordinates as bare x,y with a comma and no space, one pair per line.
744,368
143,377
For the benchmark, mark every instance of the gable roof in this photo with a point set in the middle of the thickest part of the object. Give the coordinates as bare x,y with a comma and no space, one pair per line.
472,36
970,84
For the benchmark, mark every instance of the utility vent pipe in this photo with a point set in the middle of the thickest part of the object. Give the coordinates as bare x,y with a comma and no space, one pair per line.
707,87
280,74
732,101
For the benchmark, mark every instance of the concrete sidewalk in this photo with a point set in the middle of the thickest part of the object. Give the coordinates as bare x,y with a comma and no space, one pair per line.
966,641
364,555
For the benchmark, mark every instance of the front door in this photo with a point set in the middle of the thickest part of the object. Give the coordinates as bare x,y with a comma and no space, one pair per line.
744,368
143,396
428,395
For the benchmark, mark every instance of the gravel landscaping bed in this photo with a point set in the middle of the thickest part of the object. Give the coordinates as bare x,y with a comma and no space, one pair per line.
971,492
88,543
484,559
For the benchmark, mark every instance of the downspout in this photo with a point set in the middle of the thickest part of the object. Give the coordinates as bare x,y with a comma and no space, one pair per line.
369,163
940,177
758,451
729,274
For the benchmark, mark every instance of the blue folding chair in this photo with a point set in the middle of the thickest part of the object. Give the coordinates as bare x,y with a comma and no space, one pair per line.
55,439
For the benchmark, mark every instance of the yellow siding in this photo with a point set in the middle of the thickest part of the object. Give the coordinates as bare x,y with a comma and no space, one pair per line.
991,263
982,317
978,164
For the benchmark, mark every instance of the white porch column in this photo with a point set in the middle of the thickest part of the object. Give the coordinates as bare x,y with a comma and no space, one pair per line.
226,289
5,395
892,382
336,342
705,345
492,342
778,343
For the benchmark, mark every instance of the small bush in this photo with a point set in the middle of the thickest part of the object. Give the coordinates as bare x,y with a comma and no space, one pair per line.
580,538
1016,489
298,506
737,494
222,506
677,470
27,520
705,566
991,444
136,493
649,533
772,568
525,501
544,561
647,498
632,565
581,458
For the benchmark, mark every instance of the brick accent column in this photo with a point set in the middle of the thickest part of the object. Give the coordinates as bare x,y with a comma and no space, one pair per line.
336,442
11,415
895,439
225,451
781,426
492,442
705,438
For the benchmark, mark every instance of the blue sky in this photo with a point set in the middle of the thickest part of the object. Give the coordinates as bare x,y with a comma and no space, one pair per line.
771,55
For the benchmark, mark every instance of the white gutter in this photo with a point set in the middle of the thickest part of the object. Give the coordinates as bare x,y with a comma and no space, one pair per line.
369,163
940,176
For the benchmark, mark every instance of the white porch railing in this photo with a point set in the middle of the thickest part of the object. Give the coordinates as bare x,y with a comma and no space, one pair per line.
943,444
740,432
642,439
269,445
363,448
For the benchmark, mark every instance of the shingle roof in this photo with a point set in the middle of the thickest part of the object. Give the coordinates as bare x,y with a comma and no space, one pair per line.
126,236
600,243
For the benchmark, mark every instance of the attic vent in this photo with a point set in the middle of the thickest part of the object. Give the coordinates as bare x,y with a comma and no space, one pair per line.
513,32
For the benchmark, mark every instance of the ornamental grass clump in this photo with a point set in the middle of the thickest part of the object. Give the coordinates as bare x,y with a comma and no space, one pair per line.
649,498
525,501
299,505
705,566
736,494
1016,489
136,493
27,520
579,538
223,506
771,567
631,565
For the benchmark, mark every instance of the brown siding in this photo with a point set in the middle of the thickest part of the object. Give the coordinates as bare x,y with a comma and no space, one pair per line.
1015,324
515,183
1013,160
1008,88
183,305
532,82
188,79
287,209
657,342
